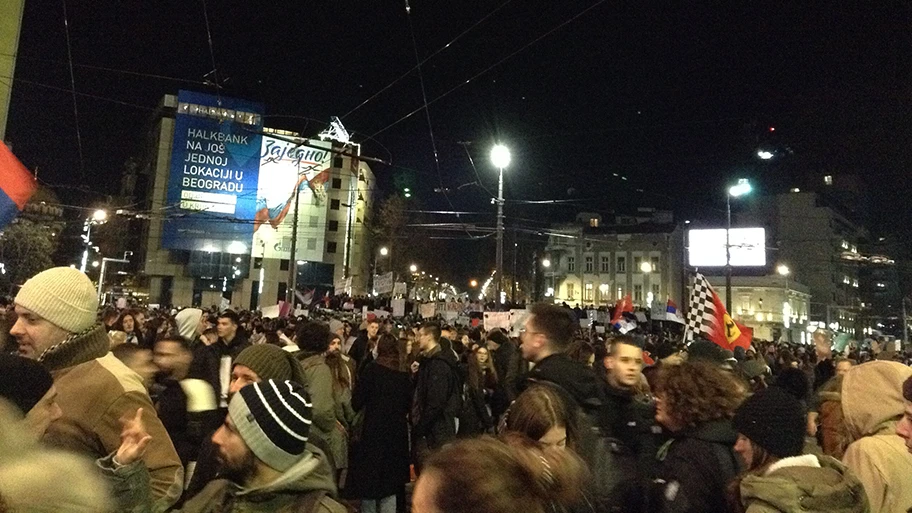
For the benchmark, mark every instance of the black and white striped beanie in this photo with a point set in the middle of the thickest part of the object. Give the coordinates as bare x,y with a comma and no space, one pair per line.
273,418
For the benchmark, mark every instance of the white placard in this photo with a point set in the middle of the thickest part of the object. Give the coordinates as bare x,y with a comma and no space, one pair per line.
494,320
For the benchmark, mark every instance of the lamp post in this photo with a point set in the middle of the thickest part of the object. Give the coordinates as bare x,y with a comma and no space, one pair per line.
500,157
742,188
784,271
549,288
104,265
98,217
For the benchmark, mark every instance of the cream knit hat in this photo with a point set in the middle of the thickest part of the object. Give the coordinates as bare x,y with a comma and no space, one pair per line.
63,296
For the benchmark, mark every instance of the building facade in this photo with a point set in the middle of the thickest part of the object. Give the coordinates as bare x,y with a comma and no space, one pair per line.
774,306
596,263
331,242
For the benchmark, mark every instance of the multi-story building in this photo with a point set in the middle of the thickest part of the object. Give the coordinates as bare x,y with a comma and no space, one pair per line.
220,207
819,244
775,307
593,262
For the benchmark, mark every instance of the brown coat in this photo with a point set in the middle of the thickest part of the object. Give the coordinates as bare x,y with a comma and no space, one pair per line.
95,390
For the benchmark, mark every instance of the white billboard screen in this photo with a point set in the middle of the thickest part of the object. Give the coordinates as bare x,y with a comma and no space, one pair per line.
706,248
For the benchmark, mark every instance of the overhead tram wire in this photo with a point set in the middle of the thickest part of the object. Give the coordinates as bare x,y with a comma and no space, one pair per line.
66,30
429,57
489,68
217,84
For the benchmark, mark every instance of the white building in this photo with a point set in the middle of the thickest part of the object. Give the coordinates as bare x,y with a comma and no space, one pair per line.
775,307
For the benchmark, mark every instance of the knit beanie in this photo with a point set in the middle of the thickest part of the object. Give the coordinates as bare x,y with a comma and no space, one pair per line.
271,362
23,382
63,296
188,321
334,325
273,418
774,420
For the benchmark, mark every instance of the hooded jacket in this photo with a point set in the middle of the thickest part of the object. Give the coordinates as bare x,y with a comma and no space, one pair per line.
95,390
872,404
794,486
319,382
188,321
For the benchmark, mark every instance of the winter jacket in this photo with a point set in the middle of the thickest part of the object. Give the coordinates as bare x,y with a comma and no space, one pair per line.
510,368
872,404
831,433
95,391
319,383
694,470
437,399
188,410
631,420
576,378
308,486
792,485
207,364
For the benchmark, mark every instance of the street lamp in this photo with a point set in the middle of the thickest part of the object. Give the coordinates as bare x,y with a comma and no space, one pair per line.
742,188
500,157
98,217
546,263
765,155
384,251
473,283
413,268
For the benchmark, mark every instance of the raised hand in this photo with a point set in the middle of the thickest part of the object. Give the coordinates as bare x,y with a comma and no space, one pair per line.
133,439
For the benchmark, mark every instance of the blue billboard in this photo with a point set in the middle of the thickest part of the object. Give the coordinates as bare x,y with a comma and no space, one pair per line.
212,187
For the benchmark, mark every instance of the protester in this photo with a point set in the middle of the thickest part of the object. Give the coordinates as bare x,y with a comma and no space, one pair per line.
582,351
540,413
480,384
191,323
872,403
778,477
379,466
56,327
137,359
365,342
695,402
484,475
904,426
824,370
437,399
213,362
509,366
313,340
127,324
343,382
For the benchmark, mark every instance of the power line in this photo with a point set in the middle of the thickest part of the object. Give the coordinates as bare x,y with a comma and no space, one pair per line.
87,95
66,27
214,71
104,68
489,68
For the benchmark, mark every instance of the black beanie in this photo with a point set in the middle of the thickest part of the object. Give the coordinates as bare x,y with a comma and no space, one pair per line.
23,382
774,420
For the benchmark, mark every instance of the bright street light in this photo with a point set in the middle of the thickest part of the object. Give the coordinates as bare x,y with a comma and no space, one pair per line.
384,251
500,156
473,283
413,268
95,263
783,270
740,189
765,155
546,263
100,216
646,267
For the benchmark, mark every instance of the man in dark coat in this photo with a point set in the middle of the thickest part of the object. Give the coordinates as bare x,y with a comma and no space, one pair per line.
437,400
213,363
361,348
509,366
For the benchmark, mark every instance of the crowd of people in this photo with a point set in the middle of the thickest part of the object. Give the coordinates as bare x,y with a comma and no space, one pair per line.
213,411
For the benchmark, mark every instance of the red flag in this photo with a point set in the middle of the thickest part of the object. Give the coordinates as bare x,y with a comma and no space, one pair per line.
16,185
623,305
708,317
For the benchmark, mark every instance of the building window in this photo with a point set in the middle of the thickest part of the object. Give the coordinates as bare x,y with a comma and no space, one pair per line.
337,183
637,264
655,290
330,247
571,264
570,291
257,262
334,204
845,244
314,221
638,293
654,261
311,244
828,180
333,226
283,265
855,283
620,292
606,264
589,264
593,222
846,280
337,162
588,292
622,265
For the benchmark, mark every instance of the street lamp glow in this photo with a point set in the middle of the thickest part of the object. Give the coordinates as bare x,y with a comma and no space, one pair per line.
95,263
646,267
100,216
740,189
500,156
765,155
783,270
413,268
473,283
384,251
546,263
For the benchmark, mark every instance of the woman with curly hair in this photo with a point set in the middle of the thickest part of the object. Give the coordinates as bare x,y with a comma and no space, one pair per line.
695,402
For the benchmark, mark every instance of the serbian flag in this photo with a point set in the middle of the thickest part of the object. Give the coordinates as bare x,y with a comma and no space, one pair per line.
707,317
16,185
623,305
672,314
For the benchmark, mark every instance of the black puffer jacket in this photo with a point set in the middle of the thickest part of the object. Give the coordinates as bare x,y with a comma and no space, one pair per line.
695,468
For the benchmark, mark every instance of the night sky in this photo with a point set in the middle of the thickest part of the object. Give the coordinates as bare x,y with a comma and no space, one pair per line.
675,99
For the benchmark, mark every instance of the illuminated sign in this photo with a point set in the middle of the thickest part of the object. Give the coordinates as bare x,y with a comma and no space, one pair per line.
706,248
